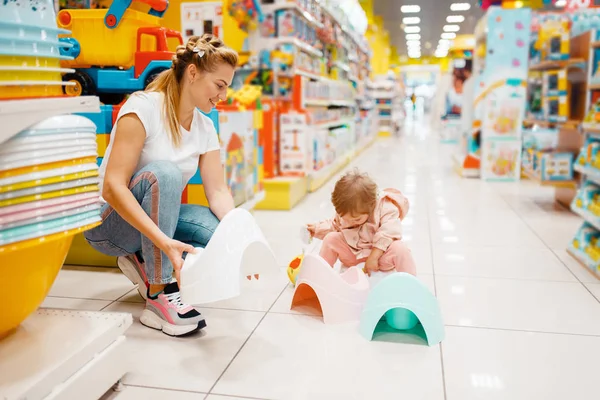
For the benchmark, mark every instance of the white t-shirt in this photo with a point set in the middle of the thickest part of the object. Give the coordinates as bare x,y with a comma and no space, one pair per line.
201,138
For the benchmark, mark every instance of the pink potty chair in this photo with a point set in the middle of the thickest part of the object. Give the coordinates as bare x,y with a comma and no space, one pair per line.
341,297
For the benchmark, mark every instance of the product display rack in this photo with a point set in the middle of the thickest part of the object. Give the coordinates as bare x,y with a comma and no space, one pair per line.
315,75
76,354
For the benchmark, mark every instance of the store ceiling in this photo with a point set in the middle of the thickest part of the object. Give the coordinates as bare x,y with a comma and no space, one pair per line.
432,16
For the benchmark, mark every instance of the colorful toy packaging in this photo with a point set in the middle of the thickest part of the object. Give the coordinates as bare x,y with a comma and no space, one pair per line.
293,145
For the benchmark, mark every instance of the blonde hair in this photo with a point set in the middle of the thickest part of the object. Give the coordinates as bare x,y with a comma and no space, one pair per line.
211,52
354,193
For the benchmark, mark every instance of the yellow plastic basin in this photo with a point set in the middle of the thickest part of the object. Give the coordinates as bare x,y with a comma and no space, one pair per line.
31,267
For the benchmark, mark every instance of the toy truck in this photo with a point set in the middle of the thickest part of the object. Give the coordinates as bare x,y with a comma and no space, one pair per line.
116,51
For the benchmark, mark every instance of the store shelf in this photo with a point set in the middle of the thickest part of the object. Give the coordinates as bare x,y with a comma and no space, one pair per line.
563,184
271,8
326,103
331,124
584,260
62,354
550,65
591,173
589,217
282,193
298,43
17,115
307,74
341,65
350,32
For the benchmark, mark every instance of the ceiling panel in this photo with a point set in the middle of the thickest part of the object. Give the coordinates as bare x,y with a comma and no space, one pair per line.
433,16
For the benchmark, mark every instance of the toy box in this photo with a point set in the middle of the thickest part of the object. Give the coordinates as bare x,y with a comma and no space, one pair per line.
554,36
237,137
319,151
554,83
556,108
585,237
502,161
268,27
587,197
293,144
555,166
286,22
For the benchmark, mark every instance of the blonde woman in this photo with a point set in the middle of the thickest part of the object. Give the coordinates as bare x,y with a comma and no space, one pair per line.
159,140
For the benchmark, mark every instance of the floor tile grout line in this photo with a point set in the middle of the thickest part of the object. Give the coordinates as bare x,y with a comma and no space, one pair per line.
427,208
245,341
522,330
162,388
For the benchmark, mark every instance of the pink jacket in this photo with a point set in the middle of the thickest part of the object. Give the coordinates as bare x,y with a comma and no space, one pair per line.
380,230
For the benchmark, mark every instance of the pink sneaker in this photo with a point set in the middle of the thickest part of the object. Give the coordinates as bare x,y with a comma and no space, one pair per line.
167,313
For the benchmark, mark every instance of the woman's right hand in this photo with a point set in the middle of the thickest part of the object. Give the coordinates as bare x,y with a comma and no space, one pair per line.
174,249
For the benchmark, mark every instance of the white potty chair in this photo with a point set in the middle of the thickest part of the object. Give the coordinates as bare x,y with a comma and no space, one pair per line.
237,250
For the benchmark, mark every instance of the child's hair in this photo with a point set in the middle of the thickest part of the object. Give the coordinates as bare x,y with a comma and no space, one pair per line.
355,193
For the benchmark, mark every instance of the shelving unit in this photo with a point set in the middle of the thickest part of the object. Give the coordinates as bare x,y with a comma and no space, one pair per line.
17,115
60,354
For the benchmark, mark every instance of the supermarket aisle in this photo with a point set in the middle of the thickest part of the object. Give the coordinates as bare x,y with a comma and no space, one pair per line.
522,320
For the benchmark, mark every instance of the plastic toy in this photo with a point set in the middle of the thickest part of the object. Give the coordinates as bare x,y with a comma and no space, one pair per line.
110,71
404,301
237,250
340,296
246,13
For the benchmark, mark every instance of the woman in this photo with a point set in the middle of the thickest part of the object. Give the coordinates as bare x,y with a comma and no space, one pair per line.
157,143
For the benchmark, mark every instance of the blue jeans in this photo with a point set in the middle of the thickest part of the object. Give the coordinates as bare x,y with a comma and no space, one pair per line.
157,187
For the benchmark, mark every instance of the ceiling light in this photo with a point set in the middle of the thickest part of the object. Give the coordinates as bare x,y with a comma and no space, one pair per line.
411,20
455,19
414,47
560,3
460,6
413,42
448,35
451,28
413,36
416,51
414,54
444,42
410,9
412,29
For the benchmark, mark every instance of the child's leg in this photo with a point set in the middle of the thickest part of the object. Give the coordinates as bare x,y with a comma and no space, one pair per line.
335,247
399,257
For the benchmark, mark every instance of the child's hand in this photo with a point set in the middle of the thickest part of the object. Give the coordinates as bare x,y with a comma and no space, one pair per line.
311,229
371,265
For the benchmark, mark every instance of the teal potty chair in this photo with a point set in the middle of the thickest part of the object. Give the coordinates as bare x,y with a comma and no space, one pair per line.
404,302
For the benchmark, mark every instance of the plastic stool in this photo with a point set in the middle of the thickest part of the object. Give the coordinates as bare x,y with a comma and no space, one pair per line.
237,250
405,301
341,296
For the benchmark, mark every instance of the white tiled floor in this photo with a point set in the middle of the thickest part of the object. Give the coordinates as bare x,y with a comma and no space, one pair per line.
522,317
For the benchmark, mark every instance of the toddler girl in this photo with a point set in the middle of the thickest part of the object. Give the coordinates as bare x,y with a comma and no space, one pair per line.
366,228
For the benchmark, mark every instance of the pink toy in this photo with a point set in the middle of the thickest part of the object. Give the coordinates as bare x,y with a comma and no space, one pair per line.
341,297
